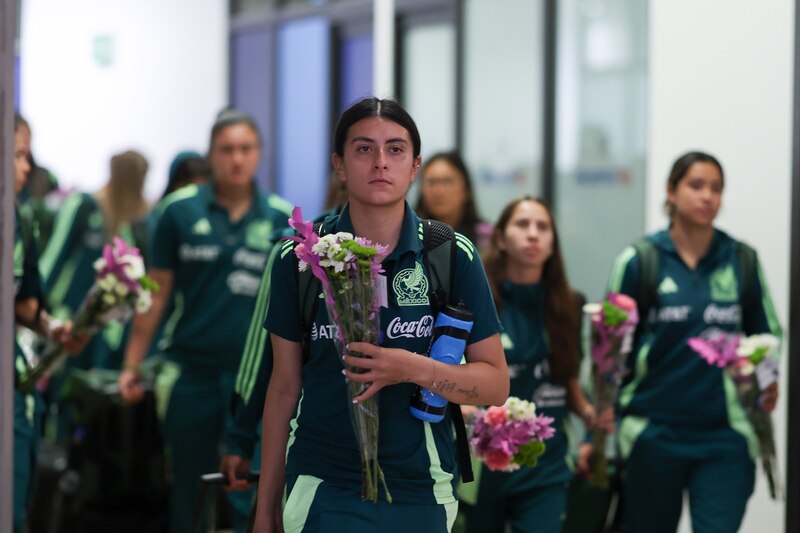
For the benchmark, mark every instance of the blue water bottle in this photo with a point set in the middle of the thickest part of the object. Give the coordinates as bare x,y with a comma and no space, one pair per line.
450,333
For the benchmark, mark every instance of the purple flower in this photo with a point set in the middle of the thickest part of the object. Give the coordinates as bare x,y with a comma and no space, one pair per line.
543,428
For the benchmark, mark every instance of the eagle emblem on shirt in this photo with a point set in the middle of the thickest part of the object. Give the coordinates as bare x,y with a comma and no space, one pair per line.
411,286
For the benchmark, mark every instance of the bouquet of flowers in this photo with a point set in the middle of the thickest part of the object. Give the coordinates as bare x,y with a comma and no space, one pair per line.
751,366
513,435
348,269
613,322
121,288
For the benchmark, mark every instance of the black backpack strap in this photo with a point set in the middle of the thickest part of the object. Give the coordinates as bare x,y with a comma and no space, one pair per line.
749,271
439,246
308,288
439,255
647,255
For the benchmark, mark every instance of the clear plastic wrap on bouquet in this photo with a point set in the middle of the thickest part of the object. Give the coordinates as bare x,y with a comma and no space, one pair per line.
613,323
357,322
348,269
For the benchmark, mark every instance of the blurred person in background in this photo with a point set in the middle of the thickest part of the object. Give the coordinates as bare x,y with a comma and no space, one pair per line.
446,195
29,312
84,224
209,250
683,433
541,316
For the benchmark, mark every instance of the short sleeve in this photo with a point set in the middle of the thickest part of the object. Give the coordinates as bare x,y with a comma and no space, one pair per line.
166,241
283,313
471,287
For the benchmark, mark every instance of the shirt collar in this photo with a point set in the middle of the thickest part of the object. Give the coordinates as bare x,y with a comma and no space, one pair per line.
663,240
410,233
260,200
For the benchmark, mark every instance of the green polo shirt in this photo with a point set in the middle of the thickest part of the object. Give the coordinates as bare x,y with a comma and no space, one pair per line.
217,266
527,354
418,458
668,381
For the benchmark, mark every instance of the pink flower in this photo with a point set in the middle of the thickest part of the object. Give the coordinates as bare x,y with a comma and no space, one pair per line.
542,427
495,416
496,459
623,301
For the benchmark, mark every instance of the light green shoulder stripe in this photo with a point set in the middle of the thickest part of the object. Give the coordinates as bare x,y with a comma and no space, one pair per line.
618,270
63,224
256,335
281,204
465,241
467,249
737,416
287,247
442,481
769,308
184,192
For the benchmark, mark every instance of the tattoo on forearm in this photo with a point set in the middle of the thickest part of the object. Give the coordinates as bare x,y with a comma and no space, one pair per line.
452,386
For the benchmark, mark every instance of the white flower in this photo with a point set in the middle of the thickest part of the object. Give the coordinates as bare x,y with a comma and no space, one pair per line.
338,266
109,298
99,265
326,246
344,236
143,302
302,266
749,345
107,283
592,308
121,289
134,267
518,409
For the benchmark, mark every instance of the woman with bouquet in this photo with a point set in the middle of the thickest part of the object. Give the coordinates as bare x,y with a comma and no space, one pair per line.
377,149
29,312
541,317
83,225
682,428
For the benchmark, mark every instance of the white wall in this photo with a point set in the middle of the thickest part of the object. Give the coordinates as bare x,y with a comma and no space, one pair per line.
166,81
721,81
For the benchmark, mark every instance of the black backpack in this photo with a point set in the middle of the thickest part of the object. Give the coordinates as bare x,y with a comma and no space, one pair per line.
439,258
648,258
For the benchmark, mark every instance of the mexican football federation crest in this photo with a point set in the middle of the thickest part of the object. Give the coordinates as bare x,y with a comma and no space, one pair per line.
411,286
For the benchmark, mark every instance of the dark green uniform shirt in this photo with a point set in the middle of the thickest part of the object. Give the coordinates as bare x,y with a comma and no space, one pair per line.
669,382
418,458
27,283
67,262
527,354
217,266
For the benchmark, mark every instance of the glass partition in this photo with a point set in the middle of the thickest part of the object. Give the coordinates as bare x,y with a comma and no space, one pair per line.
504,74
601,121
